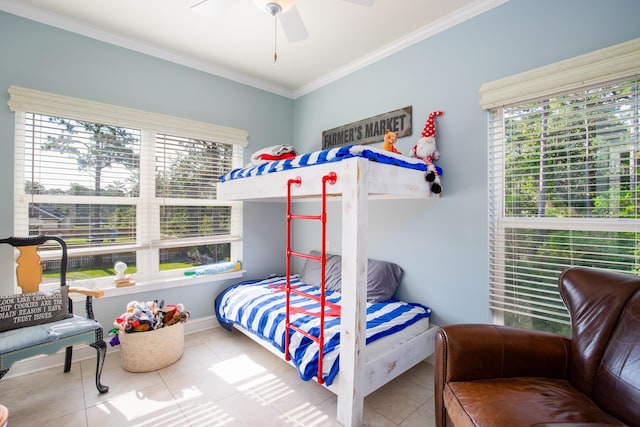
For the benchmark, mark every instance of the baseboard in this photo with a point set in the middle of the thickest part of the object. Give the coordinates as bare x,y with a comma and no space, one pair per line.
83,352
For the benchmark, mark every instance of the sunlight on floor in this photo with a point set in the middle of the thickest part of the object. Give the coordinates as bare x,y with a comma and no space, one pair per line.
266,389
222,380
306,415
237,369
207,415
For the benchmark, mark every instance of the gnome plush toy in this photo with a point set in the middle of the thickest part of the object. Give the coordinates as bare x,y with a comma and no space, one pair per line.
426,150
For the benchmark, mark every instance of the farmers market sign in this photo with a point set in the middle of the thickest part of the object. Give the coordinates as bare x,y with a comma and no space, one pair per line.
369,130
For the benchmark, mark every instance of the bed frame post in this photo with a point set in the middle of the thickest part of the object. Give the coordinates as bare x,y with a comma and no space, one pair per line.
354,298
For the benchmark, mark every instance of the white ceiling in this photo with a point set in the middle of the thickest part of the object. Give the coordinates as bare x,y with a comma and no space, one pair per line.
238,41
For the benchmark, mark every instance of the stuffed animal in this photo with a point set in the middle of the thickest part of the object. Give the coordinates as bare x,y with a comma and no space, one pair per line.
139,317
174,314
144,316
390,139
427,150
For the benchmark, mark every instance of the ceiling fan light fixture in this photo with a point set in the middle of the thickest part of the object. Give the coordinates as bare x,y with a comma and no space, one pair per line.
274,7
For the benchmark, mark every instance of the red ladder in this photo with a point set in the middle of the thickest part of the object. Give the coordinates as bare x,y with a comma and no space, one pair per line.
326,308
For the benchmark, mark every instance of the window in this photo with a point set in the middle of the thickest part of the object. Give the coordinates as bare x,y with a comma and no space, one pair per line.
124,185
564,187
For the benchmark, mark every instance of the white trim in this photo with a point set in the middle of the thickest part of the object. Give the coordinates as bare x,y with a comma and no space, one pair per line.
35,101
72,25
611,225
156,284
601,66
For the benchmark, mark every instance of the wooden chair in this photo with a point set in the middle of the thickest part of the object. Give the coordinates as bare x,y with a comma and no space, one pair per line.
35,322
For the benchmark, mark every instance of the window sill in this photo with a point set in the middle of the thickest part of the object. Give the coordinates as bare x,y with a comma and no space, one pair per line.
156,285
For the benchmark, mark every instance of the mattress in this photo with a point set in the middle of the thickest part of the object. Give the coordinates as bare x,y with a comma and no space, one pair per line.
328,156
259,308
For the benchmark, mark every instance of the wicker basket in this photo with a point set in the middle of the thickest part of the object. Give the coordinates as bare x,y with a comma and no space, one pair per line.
151,350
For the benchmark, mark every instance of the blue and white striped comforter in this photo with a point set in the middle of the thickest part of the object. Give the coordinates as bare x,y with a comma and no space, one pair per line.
327,156
259,307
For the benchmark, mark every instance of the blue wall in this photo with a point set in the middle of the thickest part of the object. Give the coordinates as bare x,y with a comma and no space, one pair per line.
40,57
442,244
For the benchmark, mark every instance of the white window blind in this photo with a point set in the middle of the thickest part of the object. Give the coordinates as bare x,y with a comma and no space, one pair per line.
563,189
76,176
121,184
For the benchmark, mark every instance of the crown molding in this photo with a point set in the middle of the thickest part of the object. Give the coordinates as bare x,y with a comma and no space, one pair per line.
419,35
29,12
26,11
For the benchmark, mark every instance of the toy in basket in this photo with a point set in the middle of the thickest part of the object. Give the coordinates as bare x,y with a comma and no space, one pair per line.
150,335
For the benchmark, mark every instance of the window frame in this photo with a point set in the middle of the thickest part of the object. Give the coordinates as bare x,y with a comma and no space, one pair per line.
598,68
23,101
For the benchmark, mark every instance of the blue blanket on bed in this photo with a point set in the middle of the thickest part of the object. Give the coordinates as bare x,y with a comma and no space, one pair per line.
327,156
259,307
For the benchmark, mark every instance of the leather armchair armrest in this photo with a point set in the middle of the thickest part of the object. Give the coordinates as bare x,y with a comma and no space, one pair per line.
476,351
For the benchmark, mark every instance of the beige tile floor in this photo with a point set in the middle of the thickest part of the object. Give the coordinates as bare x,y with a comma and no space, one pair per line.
222,379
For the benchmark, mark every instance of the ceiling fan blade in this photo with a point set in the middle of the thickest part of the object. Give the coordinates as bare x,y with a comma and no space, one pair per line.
292,25
209,8
362,2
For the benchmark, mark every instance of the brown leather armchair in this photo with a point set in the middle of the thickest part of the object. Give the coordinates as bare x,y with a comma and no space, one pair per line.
488,375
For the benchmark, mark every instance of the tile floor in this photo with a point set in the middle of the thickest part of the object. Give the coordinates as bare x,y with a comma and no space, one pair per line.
222,379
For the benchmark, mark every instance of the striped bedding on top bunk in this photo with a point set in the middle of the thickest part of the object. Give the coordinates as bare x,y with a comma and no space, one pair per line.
327,156
259,307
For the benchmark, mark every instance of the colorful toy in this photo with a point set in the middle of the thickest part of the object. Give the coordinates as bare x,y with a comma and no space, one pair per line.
147,316
390,139
427,150
218,267
122,279
174,314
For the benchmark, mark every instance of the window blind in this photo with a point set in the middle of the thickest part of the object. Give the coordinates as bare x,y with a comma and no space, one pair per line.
124,185
564,192
187,172
78,180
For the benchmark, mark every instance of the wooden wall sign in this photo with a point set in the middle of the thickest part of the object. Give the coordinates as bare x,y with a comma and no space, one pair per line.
369,130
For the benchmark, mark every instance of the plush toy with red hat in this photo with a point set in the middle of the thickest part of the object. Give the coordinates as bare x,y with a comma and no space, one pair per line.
427,150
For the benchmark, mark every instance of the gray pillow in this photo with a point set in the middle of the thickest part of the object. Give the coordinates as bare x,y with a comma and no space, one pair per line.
34,308
311,272
383,278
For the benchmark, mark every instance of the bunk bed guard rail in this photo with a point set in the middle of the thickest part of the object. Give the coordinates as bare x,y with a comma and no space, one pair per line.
326,308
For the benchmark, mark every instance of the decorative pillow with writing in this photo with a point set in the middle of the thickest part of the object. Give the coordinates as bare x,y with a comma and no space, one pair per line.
35,308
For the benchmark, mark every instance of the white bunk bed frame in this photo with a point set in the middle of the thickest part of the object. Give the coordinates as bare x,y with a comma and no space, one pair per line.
358,180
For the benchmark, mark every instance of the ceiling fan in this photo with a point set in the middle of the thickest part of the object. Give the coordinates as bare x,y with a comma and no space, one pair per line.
285,10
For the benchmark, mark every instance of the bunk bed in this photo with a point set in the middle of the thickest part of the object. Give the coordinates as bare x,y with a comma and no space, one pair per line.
354,174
